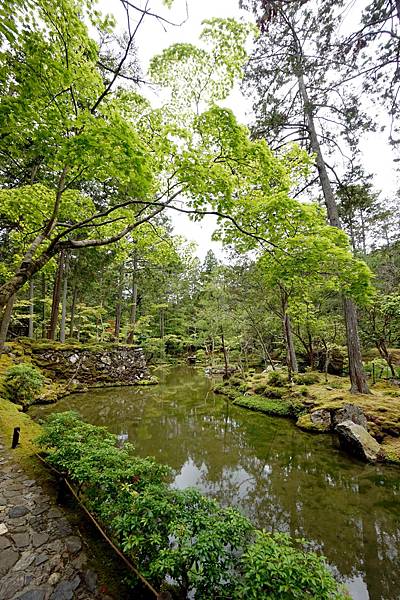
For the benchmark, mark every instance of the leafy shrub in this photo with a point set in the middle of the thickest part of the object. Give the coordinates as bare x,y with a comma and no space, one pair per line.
23,383
277,379
274,568
179,535
306,378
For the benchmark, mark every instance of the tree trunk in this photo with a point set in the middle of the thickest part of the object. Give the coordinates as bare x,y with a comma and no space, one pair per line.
72,315
118,307
134,296
30,322
385,354
357,376
288,335
44,292
226,374
64,302
55,305
162,323
5,321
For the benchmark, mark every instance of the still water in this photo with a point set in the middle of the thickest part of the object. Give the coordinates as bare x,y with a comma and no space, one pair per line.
282,478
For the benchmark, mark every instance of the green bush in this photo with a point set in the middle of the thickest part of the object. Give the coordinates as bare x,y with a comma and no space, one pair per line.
306,378
179,536
277,378
273,567
23,382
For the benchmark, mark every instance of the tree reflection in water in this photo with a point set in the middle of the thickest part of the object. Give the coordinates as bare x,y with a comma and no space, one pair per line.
282,478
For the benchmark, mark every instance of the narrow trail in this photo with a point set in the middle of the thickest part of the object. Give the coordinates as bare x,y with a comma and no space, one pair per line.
42,555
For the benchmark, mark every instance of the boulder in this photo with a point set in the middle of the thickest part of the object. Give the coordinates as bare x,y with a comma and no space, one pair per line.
319,421
357,441
349,412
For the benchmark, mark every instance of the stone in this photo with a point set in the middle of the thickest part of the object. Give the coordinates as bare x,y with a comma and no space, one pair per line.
3,528
73,543
318,421
90,580
54,513
29,482
4,542
65,590
41,559
321,418
357,441
21,539
36,594
54,578
18,511
25,561
11,584
8,558
349,412
38,539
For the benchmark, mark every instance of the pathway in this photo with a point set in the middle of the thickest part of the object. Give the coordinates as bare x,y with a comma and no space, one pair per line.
41,553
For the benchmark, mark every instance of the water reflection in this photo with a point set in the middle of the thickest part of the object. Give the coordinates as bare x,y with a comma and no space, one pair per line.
280,477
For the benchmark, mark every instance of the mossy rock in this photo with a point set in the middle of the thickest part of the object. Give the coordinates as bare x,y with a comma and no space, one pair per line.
305,423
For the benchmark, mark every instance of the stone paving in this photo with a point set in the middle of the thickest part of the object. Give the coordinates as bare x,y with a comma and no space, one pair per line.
41,554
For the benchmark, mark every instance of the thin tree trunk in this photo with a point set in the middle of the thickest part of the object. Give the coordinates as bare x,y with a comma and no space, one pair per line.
44,292
226,374
162,323
30,322
5,321
118,307
134,296
55,306
64,302
72,315
288,334
357,376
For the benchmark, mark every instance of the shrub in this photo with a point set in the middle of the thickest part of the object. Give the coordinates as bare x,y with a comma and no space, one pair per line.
179,536
23,383
277,378
306,378
274,568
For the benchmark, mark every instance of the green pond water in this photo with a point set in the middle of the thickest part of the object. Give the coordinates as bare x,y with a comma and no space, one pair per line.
282,478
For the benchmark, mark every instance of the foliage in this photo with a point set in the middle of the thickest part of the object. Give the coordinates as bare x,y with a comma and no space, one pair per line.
275,568
177,535
23,382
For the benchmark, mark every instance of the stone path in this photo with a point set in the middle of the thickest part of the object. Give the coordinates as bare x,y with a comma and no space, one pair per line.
41,553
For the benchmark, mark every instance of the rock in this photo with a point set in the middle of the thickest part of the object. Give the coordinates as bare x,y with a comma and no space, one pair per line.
25,561
318,421
54,578
356,440
90,580
18,511
321,418
3,528
4,542
73,544
8,558
11,584
21,539
41,559
38,539
349,412
65,589
36,594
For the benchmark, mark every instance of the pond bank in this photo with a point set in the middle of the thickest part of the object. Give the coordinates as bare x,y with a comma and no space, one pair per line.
317,405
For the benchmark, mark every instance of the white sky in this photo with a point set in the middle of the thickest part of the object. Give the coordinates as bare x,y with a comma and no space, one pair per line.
153,37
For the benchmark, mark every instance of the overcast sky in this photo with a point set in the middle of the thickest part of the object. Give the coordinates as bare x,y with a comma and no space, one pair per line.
153,37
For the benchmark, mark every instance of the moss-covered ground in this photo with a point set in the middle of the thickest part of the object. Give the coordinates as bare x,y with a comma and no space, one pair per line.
272,394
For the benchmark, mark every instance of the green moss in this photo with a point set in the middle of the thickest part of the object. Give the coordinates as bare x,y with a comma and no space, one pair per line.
279,408
152,380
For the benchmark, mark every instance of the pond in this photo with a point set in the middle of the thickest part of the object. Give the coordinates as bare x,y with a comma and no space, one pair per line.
282,478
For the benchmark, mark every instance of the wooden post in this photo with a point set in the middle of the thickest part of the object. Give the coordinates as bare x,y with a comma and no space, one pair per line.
15,439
